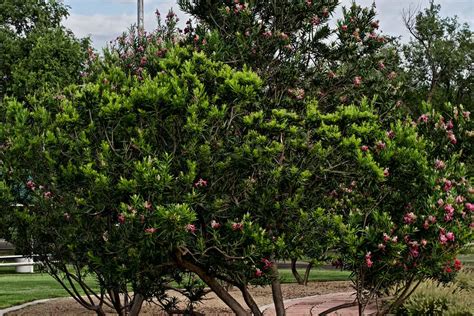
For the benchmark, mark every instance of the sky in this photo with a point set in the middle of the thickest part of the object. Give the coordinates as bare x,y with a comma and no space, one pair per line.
104,20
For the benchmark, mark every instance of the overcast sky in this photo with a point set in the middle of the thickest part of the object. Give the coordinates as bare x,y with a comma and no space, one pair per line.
104,20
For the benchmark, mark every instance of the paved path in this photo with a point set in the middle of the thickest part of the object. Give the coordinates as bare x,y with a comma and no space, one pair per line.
305,306
313,305
18,307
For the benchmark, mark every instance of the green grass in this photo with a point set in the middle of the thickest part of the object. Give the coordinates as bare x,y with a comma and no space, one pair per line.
467,256
16,288
315,275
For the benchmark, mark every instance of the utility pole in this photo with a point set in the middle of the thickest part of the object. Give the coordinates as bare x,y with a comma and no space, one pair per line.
140,15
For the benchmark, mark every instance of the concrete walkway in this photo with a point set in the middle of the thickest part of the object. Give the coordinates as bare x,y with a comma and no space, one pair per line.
18,307
305,306
313,305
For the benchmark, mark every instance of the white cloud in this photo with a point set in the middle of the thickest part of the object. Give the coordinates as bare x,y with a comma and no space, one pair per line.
390,12
104,28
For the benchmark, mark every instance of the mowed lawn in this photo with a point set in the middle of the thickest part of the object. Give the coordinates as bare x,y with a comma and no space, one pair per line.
16,288
19,288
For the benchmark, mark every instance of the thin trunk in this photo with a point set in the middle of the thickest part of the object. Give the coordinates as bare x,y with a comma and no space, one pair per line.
338,307
214,285
307,272
117,302
136,305
250,301
295,272
406,294
100,312
276,291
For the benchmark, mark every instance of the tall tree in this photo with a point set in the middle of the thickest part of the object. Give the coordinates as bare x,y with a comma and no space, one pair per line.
37,51
439,58
294,48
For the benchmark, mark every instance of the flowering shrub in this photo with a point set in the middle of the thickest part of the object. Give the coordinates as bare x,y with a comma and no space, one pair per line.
120,175
408,227
293,48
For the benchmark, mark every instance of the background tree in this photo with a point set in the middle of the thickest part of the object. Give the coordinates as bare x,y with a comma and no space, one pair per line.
438,59
37,52
291,45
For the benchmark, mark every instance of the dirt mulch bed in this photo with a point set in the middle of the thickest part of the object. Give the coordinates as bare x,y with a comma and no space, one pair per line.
210,306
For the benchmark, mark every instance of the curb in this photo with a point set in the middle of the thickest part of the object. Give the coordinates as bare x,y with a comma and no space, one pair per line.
18,307
289,302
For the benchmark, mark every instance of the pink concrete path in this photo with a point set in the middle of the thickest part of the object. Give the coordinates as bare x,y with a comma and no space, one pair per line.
313,305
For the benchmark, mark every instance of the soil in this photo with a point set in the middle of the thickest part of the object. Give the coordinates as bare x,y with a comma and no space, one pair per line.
211,305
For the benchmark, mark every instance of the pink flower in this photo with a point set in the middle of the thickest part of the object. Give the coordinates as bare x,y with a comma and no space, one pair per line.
450,125
414,252
297,93
452,138
386,237
448,269
381,66
381,145
448,217
237,226
344,27
426,225
325,12
357,81
215,225
386,173
439,164
450,236
442,239
150,230
449,209
392,75
395,239
423,118
200,183
440,202
381,247
191,228
457,264
31,185
47,195
424,242
459,199
267,263
315,20
409,218
143,61
469,207
258,272
121,218
432,219
364,148
267,34
147,205
466,114
391,134
368,260
448,185
284,36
